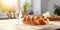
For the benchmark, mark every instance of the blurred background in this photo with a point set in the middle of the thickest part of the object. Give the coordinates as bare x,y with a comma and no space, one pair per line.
9,9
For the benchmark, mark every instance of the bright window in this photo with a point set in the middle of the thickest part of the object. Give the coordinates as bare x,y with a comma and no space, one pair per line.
8,4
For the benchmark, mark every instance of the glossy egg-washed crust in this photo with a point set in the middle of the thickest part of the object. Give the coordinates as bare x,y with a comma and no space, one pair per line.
35,20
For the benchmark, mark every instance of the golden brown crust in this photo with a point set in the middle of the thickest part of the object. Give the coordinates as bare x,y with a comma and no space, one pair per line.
35,20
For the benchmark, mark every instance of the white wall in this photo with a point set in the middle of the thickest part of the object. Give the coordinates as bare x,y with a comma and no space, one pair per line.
37,7
44,6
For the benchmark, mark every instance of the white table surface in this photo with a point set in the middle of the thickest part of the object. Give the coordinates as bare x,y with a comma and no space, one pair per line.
9,24
12,24
51,26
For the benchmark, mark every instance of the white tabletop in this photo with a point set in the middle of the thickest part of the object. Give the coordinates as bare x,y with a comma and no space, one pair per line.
51,26
9,24
12,24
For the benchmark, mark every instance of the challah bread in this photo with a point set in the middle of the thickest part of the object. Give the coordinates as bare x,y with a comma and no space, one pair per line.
35,20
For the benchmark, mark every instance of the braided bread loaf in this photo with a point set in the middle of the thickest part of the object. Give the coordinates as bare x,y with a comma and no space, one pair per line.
35,20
